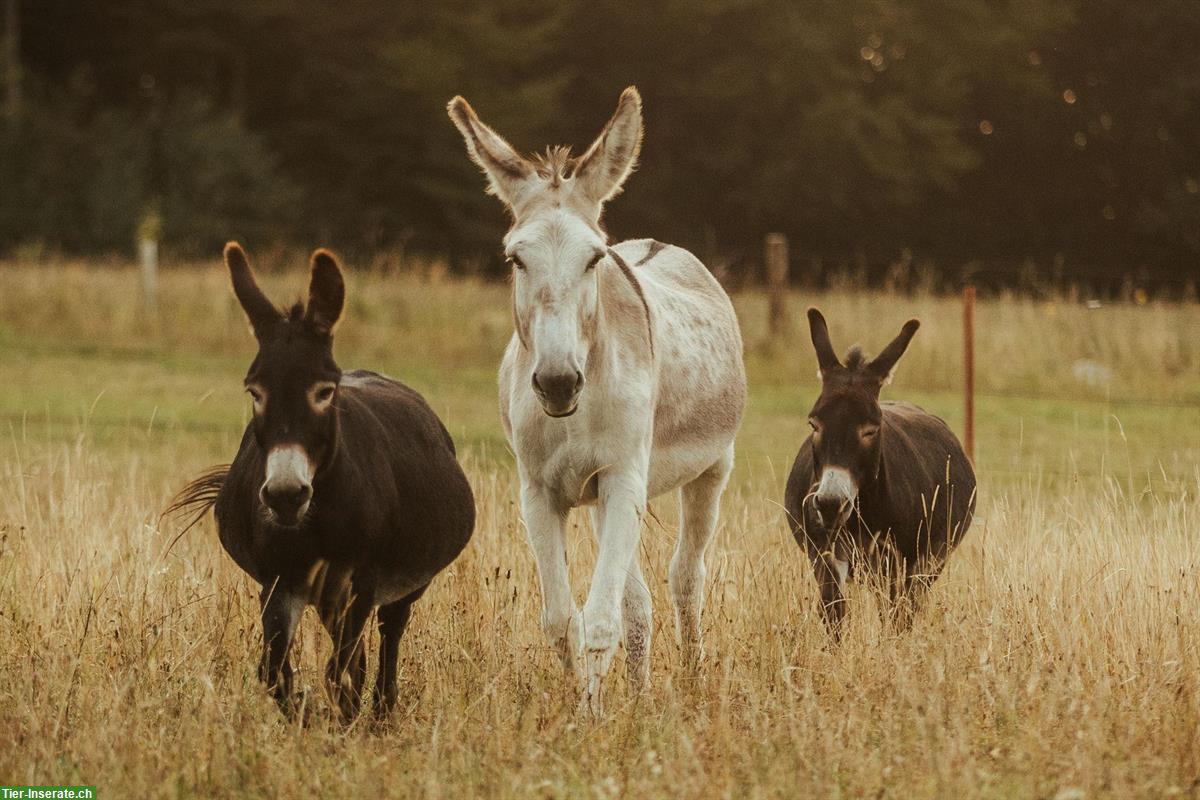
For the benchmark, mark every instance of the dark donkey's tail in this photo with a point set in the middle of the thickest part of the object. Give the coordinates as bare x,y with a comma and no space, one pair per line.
197,497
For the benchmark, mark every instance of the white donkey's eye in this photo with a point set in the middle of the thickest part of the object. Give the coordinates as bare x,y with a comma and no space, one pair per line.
595,260
321,395
516,262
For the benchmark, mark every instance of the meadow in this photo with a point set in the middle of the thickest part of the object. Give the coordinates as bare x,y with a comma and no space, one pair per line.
1059,655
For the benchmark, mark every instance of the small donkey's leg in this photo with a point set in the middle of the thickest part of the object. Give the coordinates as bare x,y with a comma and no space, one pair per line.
831,573
545,527
622,497
637,614
918,578
281,610
699,506
393,619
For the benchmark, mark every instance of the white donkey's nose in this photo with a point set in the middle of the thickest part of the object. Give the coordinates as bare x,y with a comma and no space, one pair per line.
558,390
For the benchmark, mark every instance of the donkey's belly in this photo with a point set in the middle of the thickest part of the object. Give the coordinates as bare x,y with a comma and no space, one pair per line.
573,468
392,587
672,466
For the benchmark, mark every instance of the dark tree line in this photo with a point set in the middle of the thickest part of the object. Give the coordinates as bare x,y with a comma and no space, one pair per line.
1060,136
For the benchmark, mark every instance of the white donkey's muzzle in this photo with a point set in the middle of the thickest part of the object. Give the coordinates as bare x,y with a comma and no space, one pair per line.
558,390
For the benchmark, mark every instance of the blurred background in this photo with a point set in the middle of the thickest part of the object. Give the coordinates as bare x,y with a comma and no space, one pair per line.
1027,143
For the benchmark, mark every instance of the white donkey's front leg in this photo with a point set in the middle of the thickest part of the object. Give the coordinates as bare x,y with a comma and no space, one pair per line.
545,525
622,496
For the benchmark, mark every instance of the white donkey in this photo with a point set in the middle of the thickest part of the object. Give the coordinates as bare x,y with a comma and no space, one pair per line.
620,383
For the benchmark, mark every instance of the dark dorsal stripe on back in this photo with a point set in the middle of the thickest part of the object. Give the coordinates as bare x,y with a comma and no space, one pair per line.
655,248
637,287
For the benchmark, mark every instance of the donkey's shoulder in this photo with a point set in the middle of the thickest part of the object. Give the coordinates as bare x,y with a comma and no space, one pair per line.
385,400
640,252
914,436
670,267
911,419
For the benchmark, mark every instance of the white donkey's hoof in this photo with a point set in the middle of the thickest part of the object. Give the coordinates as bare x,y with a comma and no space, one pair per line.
591,702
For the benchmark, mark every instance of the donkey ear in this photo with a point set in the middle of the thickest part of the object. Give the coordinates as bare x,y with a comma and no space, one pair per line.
602,170
883,363
826,358
507,171
260,311
326,292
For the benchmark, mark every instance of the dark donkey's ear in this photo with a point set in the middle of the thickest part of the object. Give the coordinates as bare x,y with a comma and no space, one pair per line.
826,359
258,308
883,363
326,292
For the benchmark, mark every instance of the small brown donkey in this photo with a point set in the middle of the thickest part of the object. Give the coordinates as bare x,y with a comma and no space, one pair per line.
883,487
345,492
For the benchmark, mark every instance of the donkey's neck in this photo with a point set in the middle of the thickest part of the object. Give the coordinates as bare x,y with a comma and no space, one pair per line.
873,493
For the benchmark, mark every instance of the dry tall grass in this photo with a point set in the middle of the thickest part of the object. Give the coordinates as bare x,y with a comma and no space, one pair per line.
1060,655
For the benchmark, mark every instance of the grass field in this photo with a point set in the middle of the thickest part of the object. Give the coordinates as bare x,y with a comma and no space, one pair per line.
1059,655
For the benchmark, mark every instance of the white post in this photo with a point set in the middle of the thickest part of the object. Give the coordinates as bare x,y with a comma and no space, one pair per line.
148,233
148,250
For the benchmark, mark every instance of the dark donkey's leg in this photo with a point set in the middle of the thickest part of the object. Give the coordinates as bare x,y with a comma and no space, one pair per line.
892,576
393,619
830,573
919,576
281,610
347,667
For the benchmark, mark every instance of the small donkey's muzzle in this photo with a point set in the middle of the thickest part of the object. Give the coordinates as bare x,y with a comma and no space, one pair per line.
834,497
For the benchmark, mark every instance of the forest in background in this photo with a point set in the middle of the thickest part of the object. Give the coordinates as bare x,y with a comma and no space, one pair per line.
1014,141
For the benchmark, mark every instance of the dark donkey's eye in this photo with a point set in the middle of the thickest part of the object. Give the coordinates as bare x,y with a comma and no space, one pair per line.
322,393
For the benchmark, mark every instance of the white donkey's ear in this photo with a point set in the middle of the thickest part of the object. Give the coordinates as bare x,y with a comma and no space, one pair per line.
506,170
602,170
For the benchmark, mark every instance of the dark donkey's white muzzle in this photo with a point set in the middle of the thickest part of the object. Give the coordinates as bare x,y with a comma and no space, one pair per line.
287,490
834,497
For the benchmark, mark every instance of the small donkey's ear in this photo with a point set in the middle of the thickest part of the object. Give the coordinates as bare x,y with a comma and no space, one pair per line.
326,291
826,359
259,310
885,362
507,172
602,170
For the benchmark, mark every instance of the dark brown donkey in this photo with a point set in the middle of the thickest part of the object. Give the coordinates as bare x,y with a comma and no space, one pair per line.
879,486
345,492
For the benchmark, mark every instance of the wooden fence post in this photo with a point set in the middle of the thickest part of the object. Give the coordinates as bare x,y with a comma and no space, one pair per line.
776,257
969,371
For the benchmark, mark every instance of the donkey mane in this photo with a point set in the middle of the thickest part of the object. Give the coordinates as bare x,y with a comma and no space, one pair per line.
855,358
555,165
